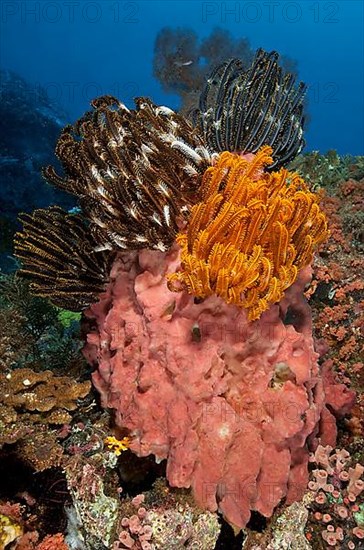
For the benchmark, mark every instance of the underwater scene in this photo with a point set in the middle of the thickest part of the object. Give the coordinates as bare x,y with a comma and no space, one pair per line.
181,275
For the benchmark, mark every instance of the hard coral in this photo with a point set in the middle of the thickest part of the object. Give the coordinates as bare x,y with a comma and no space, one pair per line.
28,398
250,235
40,391
335,504
197,384
165,520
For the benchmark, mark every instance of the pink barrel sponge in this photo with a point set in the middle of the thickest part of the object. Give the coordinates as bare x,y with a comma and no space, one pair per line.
230,404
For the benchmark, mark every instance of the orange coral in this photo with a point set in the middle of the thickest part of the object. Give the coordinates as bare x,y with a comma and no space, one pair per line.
53,542
250,234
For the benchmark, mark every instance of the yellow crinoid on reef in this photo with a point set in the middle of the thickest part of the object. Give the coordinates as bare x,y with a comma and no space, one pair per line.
250,234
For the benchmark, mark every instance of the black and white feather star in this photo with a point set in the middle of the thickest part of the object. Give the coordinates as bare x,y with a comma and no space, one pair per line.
135,172
59,259
241,110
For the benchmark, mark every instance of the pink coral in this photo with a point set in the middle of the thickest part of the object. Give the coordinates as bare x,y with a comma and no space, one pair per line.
321,457
356,485
341,507
358,532
342,512
229,403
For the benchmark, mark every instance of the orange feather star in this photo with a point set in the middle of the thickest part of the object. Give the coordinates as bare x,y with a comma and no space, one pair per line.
250,235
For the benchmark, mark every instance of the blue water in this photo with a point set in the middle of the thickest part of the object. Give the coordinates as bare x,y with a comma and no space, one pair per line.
81,49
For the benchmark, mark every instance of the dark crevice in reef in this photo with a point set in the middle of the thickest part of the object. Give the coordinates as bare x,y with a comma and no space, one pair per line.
137,475
42,493
257,522
15,476
227,538
294,317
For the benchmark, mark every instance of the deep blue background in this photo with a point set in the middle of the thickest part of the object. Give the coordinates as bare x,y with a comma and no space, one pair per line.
80,49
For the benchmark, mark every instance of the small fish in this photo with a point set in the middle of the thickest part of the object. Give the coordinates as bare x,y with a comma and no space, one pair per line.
74,210
183,63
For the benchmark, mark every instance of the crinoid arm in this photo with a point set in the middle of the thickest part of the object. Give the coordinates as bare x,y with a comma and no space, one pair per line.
59,258
250,235
135,172
242,110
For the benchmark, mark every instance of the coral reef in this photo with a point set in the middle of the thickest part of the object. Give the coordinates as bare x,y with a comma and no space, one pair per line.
337,506
12,343
36,334
328,171
173,525
337,292
36,408
160,518
286,530
40,392
30,401
53,542
96,511
197,384
220,383
15,535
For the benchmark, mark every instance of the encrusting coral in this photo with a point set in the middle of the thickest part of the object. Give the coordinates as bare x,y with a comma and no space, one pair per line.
170,524
251,234
232,406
